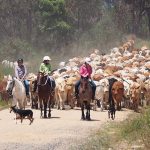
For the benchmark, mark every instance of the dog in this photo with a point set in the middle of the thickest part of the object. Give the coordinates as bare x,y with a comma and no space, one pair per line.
22,114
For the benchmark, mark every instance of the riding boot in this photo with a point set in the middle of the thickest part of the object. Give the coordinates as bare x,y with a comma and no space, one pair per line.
76,95
93,95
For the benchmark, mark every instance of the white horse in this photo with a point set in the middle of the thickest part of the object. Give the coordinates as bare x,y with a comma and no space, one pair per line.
18,92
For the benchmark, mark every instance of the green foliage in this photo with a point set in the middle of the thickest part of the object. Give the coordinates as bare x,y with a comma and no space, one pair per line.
52,13
16,48
138,128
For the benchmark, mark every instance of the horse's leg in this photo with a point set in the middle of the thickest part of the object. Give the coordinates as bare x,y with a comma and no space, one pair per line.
45,109
108,113
86,107
114,113
41,107
88,110
49,106
82,110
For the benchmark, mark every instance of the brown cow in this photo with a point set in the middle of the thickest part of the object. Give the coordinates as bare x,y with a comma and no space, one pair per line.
117,93
34,95
135,95
3,92
70,82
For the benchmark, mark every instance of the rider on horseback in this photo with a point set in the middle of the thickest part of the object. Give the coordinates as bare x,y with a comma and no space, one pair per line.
20,73
85,71
45,68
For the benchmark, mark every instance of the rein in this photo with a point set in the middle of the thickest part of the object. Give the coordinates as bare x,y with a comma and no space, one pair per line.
45,82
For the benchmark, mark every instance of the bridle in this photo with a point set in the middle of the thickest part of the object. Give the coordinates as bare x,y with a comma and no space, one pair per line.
45,81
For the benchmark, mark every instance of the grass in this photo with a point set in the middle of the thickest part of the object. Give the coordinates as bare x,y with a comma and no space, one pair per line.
132,133
3,104
138,128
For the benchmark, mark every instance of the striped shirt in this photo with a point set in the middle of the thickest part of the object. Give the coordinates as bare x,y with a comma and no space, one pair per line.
20,71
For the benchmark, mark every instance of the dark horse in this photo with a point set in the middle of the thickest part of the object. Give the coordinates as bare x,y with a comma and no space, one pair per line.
85,96
44,92
111,109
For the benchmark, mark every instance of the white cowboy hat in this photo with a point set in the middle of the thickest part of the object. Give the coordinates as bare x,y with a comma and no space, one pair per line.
46,58
87,60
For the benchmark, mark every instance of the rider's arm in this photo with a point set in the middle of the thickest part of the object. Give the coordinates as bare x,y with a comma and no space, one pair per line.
41,69
90,70
25,69
81,70
49,69
16,73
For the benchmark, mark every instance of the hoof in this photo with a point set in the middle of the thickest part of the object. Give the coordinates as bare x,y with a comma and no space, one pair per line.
82,118
49,115
88,119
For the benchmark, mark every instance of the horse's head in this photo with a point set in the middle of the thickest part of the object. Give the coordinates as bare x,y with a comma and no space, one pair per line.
10,85
84,83
42,78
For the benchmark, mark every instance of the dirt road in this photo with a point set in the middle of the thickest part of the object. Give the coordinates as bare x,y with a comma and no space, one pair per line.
61,132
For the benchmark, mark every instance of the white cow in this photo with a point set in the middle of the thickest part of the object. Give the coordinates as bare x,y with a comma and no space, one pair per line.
101,95
60,92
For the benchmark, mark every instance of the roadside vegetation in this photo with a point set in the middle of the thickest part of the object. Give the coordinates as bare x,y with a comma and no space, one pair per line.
132,133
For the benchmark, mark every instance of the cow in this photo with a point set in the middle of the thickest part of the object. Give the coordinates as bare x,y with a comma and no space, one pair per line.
60,92
117,93
70,83
135,95
101,94
4,94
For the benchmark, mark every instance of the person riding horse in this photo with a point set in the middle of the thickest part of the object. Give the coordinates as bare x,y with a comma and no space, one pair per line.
20,73
85,71
45,68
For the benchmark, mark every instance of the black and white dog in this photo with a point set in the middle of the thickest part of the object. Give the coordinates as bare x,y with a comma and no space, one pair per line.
22,114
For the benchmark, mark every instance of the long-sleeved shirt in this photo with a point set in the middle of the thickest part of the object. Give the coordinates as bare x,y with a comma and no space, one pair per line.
86,70
20,72
45,68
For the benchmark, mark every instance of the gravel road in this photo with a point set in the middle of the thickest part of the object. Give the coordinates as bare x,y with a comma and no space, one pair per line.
61,132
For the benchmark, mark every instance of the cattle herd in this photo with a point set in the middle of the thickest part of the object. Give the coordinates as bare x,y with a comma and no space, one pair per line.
126,64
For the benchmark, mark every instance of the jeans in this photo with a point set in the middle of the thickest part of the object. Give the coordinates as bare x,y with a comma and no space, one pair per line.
26,84
93,85
52,83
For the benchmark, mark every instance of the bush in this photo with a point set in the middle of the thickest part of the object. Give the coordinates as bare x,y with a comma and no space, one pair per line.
16,48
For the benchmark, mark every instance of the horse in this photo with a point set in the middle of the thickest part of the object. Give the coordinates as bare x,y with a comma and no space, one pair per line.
17,89
85,96
111,109
44,94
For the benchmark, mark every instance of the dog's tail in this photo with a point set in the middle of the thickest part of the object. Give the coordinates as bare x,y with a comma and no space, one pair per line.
31,114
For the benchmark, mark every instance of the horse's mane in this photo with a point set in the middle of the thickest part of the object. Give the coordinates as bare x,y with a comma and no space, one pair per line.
19,83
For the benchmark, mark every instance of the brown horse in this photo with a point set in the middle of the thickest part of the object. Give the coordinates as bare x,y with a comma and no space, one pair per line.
44,92
85,96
